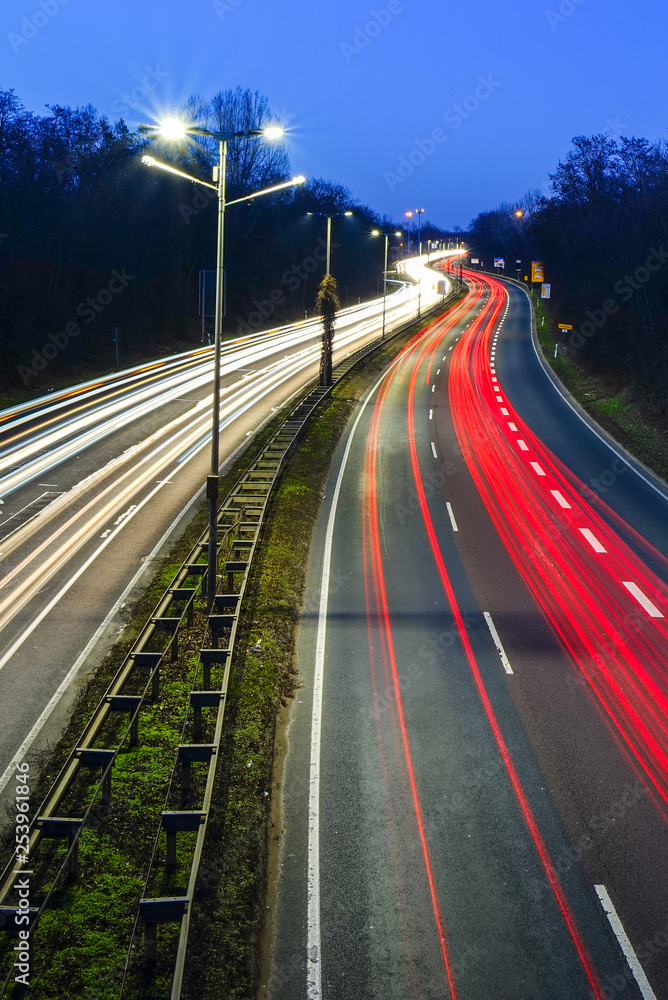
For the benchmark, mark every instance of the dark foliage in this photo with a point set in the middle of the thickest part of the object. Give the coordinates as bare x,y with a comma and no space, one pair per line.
92,240
603,234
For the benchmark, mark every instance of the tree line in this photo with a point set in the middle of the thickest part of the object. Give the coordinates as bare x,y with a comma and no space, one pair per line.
601,230
94,245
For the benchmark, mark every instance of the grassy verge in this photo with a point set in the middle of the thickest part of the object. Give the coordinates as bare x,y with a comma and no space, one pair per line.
82,940
622,408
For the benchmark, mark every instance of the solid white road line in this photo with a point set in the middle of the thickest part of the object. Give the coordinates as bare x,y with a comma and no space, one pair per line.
452,518
497,642
561,499
313,935
624,943
642,600
593,540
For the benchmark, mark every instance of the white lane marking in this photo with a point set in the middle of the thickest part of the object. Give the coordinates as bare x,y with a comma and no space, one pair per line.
452,517
497,642
523,446
593,540
438,371
537,469
433,450
561,499
433,388
313,937
499,399
431,414
642,599
624,943
504,411
512,426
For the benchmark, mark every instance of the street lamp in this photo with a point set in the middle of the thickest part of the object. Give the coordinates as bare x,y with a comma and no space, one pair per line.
174,129
329,218
419,212
377,232
409,226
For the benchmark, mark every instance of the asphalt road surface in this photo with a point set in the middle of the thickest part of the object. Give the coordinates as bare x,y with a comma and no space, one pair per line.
475,794
97,479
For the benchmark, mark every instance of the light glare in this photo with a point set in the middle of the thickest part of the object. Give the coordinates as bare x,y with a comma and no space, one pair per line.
172,128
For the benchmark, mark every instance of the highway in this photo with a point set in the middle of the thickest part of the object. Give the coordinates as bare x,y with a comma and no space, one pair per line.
95,481
475,793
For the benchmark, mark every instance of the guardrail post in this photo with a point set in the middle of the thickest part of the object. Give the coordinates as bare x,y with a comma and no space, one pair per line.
92,757
128,703
179,822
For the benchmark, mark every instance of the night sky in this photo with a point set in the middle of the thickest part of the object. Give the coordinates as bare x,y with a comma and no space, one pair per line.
410,103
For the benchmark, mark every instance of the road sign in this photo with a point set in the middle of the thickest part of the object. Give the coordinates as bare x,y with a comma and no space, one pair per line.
545,291
565,326
475,260
499,262
537,270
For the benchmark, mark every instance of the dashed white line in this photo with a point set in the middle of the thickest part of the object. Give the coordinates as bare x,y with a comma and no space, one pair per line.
624,943
512,426
452,517
438,372
642,599
504,411
561,499
499,399
497,642
433,388
433,450
593,540
522,445
431,414
537,469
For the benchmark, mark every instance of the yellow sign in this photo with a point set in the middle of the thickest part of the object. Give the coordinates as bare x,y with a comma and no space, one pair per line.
565,326
537,271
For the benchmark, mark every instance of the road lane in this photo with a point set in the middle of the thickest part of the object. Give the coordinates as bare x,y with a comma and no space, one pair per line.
429,742
120,459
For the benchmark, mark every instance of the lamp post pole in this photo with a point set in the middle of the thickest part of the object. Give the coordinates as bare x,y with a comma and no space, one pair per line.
329,244
419,212
173,129
213,482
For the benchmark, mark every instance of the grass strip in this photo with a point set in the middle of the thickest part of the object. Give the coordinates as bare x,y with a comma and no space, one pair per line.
622,406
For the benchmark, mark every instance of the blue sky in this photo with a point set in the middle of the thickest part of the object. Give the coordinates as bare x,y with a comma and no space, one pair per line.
410,103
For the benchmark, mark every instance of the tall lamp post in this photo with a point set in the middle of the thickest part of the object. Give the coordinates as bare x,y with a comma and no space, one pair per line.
377,232
329,217
173,129
409,226
419,212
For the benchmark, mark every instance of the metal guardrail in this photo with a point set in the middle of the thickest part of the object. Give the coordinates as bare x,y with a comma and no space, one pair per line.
240,520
